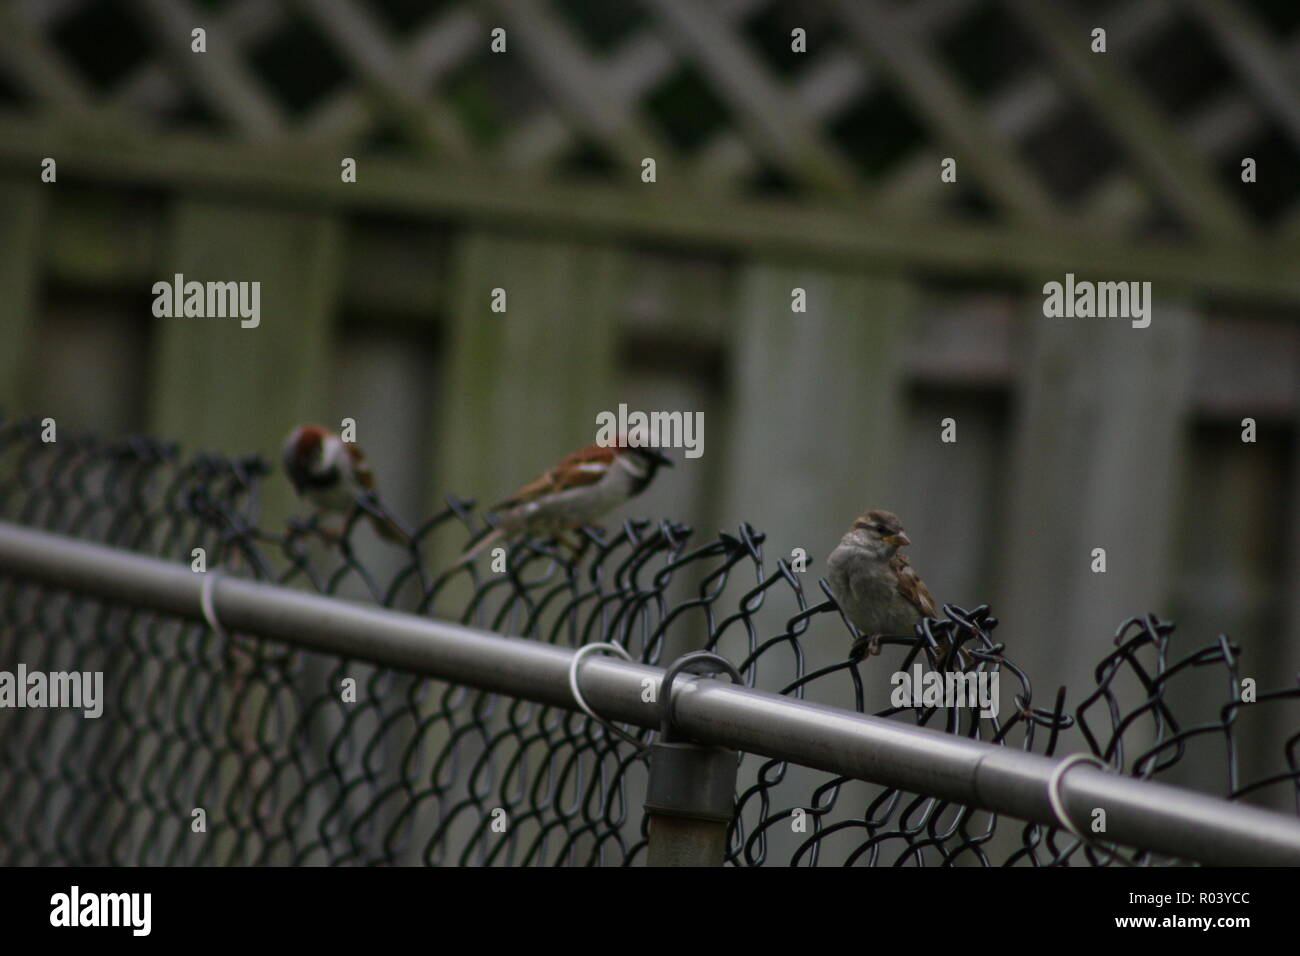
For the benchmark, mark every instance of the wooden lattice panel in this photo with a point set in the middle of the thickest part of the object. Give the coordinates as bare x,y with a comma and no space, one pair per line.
1145,138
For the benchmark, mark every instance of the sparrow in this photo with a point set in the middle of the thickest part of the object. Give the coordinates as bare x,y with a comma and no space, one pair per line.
577,491
334,477
874,584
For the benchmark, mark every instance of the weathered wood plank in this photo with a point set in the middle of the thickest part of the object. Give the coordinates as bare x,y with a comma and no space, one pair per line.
1245,365
828,236
815,417
1096,462
523,387
221,387
20,263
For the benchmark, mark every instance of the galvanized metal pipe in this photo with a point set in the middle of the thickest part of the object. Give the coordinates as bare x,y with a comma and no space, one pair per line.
1146,814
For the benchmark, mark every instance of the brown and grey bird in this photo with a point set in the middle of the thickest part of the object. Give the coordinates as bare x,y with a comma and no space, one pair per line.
576,492
874,584
333,476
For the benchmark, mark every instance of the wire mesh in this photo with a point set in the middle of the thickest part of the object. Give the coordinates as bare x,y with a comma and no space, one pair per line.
235,749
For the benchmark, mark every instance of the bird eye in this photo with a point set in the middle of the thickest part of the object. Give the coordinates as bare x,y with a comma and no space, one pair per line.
880,528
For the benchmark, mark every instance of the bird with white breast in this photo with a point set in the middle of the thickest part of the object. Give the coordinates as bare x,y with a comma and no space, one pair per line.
583,487
874,584
334,477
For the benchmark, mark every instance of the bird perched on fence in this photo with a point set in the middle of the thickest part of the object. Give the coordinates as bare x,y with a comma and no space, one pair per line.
874,584
576,492
334,477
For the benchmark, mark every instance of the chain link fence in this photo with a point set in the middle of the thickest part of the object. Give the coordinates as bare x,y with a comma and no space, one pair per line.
238,749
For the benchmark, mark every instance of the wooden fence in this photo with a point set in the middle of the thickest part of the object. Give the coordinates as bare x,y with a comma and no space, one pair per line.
1072,434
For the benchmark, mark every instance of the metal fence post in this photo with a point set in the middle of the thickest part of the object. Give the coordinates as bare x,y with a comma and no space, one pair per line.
691,794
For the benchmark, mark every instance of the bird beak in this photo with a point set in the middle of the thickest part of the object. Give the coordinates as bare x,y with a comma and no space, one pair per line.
899,539
660,457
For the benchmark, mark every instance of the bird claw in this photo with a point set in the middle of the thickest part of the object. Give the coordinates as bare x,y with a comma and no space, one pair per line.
574,542
312,526
580,545
865,646
301,526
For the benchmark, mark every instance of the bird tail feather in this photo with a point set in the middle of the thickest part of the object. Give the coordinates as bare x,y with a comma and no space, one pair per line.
386,527
385,524
483,543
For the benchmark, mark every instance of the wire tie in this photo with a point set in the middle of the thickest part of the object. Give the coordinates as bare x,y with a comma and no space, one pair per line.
207,605
584,651
1054,790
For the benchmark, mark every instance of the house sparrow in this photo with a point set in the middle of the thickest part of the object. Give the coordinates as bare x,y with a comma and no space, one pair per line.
333,476
873,583
577,491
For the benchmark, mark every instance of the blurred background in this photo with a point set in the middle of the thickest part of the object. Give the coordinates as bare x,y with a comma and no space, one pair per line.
775,170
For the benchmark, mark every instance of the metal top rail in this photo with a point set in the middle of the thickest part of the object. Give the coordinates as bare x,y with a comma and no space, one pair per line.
1139,813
